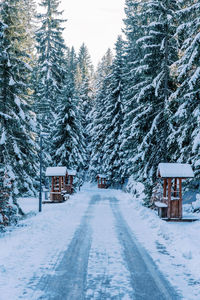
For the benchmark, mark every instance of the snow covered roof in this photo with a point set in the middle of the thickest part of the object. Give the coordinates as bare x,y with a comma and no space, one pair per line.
175,170
71,172
101,176
56,171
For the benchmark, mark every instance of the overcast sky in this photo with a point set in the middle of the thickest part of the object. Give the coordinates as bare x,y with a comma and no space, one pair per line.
97,23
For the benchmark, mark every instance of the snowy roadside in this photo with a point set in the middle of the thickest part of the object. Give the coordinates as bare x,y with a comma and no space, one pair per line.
175,247
35,247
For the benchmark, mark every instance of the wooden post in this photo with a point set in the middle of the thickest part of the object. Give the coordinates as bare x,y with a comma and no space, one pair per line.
180,198
169,198
165,188
59,183
52,184
175,187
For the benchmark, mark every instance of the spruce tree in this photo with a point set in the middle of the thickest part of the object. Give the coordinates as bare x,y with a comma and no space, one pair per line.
84,87
184,138
17,126
133,31
113,117
97,127
50,63
150,93
68,147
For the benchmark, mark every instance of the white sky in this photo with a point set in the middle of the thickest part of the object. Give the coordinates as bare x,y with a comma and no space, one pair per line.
97,23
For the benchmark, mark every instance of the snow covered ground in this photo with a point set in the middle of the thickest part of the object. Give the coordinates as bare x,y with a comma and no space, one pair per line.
175,247
30,250
35,248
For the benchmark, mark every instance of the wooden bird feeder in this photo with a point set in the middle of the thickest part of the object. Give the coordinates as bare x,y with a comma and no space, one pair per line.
172,174
101,179
61,182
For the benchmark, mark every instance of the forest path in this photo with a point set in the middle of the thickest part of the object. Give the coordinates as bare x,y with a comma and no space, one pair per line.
104,260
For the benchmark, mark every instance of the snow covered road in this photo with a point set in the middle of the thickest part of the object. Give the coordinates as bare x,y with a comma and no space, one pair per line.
103,261
84,248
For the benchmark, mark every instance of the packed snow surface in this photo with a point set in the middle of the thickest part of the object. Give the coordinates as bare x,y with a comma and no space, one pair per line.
95,243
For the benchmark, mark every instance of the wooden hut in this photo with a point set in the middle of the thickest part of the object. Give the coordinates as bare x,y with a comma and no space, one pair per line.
61,182
101,179
69,181
172,174
58,178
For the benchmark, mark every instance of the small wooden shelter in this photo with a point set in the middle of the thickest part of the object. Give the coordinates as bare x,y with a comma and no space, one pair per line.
61,182
58,179
101,179
172,174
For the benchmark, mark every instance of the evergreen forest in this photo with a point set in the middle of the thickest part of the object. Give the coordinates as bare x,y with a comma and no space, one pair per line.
139,107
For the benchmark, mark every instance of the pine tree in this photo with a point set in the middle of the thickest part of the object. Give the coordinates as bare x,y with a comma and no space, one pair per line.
97,127
51,64
133,31
84,87
150,93
184,139
103,69
68,147
30,20
17,146
113,117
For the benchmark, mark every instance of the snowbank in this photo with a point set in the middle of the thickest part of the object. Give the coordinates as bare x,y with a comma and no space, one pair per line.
173,246
196,204
31,249
135,188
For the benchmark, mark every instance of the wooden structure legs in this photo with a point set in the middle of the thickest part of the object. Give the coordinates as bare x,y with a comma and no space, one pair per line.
56,189
174,198
171,203
102,183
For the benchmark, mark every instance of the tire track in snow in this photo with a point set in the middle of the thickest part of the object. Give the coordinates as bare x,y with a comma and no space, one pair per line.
147,281
108,277
68,280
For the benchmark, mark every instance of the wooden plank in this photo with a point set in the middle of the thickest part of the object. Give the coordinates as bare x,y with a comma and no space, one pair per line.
175,187
180,220
180,196
169,198
52,184
174,208
165,188
59,183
